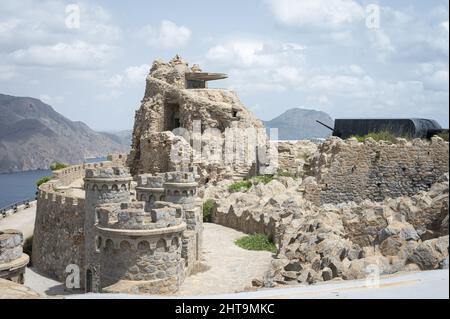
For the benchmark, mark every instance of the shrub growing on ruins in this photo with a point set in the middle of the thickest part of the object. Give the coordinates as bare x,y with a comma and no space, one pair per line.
262,179
444,135
207,210
240,186
43,180
58,166
378,136
259,242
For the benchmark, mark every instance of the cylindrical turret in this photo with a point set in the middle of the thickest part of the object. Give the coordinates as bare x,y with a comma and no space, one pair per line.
102,186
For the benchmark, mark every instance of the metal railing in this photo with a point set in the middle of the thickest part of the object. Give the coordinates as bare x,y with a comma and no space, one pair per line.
15,207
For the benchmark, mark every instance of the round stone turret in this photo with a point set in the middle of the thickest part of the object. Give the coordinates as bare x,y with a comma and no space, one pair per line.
102,186
181,188
12,259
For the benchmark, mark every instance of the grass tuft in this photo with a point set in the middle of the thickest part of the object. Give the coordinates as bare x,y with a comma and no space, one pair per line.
258,242
378,136
58,166
43,180
240,186
207,210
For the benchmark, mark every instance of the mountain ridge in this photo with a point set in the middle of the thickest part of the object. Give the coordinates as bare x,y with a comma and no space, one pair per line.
33,136
300,124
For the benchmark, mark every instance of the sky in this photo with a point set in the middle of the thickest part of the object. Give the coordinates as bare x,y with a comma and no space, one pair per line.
349,58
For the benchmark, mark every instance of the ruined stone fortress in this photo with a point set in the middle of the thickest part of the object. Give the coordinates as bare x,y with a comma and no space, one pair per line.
134,224
139,232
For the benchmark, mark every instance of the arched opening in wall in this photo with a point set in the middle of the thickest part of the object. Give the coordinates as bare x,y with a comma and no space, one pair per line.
185,193
175,242
98,244
88,281
109,245
115,188
176,193
161,245
124,245
171,116
144,246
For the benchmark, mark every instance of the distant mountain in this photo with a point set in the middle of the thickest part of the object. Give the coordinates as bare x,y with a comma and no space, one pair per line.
122,137
33,136
300,124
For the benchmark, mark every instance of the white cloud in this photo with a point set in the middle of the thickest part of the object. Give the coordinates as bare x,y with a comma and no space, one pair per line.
78,54
26,23
51,100
445,25
255,53
131,76
438,80
257,65
320,14
167,36
7,72
137,74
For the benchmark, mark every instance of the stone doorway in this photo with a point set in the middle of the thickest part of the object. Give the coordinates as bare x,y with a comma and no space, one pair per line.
171,116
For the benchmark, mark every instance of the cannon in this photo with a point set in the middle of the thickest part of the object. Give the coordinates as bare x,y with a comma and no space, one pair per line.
408,128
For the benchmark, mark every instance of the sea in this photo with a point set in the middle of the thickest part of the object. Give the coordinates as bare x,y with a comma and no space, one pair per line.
20,186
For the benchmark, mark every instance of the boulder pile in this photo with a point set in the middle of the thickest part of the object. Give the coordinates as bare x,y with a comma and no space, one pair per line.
338,242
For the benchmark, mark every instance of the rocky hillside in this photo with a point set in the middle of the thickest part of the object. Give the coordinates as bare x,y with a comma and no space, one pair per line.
33,135
345,241
300,124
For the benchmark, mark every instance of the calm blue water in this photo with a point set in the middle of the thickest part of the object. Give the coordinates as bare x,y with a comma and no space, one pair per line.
15,187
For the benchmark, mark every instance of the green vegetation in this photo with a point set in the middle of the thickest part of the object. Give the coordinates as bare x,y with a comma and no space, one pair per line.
444,135
58,166
43,180
247,184
285,174
257,242
240,186
378,136
207,210
266,179
28,247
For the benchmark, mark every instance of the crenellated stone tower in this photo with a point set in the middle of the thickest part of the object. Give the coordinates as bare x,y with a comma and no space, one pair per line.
145,246
102,186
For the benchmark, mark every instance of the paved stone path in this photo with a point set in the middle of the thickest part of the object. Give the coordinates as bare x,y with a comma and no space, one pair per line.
231,269
23,221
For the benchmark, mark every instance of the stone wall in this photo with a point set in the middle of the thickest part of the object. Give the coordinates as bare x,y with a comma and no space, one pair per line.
352,171
292,156
155,262
58,234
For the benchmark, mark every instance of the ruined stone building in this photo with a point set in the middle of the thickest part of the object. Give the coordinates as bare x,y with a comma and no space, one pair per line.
177,96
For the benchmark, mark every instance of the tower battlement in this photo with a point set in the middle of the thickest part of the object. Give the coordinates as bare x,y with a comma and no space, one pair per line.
133,216
113,172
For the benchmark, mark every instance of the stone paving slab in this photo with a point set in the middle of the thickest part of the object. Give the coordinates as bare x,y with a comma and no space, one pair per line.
231,268
23,221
